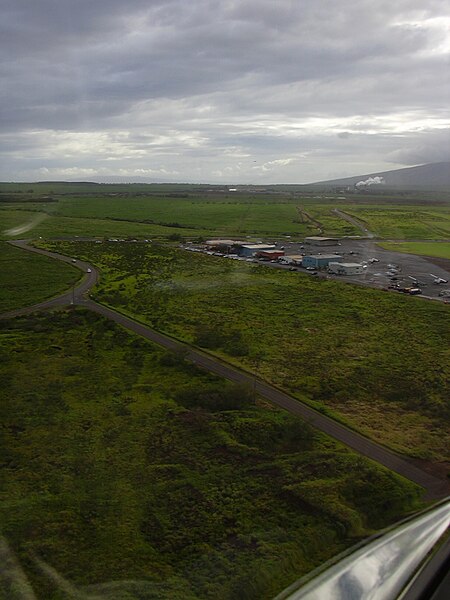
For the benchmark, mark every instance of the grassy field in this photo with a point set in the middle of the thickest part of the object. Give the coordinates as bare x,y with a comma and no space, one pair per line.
153,210
159,215
328,222
18,224
437,249
203,215
121,461
377,360
27,278
405,222
224,214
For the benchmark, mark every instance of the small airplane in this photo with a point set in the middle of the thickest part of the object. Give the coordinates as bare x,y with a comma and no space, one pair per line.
438,280
416,281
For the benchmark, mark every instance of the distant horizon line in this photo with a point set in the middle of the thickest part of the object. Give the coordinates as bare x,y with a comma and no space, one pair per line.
137,180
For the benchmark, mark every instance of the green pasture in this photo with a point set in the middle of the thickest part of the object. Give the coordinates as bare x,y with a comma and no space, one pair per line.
127,472
436,249
94,209
228,216
379,361
331,224
405,222
27,278
18,224
153,217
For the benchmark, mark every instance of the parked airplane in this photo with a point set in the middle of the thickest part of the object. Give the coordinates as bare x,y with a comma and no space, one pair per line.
438,280
416,281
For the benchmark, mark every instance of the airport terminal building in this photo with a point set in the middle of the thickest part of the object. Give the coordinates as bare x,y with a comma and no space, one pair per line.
319,261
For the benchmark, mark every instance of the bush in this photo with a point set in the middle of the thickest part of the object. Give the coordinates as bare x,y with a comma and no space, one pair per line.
216,397
173,358
205,337
175,237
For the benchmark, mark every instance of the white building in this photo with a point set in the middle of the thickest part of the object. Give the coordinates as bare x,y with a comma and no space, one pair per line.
295,259
345,268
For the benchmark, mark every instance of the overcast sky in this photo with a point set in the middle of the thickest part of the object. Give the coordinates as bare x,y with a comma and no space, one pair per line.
229,91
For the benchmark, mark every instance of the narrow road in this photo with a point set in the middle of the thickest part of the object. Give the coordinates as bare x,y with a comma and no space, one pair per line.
354,221
435,488
75,295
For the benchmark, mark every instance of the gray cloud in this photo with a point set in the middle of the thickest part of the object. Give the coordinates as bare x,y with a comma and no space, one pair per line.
423,147
198,86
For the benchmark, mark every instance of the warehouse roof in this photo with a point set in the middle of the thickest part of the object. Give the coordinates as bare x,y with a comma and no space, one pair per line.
259,246
341,264
317,238
223,243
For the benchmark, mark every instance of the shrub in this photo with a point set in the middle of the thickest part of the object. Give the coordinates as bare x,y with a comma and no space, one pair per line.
216,397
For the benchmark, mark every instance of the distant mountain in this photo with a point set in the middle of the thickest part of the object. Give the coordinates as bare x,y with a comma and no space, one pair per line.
430,177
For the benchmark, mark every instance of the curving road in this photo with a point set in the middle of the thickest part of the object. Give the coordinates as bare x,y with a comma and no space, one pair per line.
435,488
76,295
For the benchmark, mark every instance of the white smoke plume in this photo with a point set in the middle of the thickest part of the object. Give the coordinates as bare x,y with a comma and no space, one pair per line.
377,180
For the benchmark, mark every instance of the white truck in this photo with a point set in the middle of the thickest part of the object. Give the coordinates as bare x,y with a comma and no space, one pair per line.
286,260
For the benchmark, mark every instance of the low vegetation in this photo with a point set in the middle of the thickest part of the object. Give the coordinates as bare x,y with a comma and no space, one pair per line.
27,279
435,249
133,474
405,222
161,210
156,216
20,223
378,361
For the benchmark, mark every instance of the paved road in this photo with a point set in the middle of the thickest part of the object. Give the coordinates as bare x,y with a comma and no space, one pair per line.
435,488
75,295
